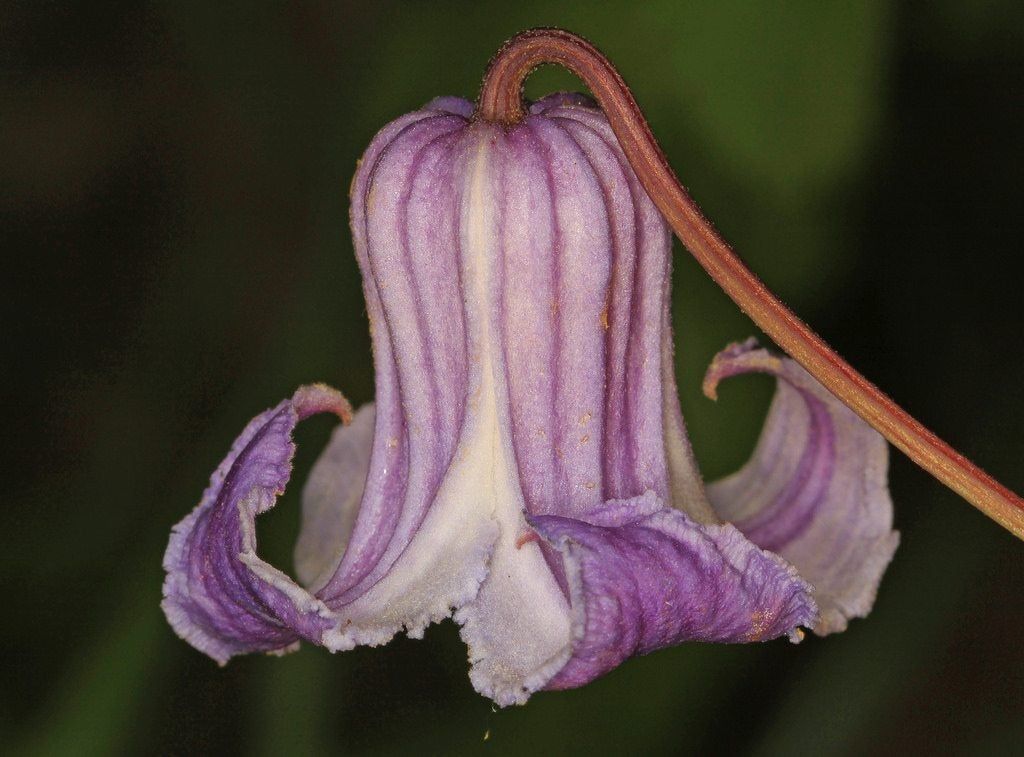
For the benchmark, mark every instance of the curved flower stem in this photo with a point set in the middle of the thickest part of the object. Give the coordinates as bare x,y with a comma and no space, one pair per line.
501,101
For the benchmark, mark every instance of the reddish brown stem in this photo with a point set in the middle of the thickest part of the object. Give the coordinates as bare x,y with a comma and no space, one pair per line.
501,101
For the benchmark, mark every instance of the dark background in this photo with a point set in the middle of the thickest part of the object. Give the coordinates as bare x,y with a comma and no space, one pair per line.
176,258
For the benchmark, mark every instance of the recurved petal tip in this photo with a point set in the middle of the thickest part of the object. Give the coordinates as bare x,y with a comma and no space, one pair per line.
815,490
218,594
738,357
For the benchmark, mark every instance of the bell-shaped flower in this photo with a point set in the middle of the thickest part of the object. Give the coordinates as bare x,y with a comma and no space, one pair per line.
525,467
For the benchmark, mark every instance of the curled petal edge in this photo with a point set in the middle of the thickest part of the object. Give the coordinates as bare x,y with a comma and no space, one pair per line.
815,489
218,594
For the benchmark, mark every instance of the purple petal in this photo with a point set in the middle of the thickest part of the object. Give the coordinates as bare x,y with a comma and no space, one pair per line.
815,490
219,595
424,530
643,577
403,207
577,264
587,263
644,437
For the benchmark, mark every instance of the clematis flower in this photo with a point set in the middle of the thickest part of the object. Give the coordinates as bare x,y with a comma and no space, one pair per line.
525,468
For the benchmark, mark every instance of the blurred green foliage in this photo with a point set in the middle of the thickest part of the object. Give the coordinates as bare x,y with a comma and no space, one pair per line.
174,201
